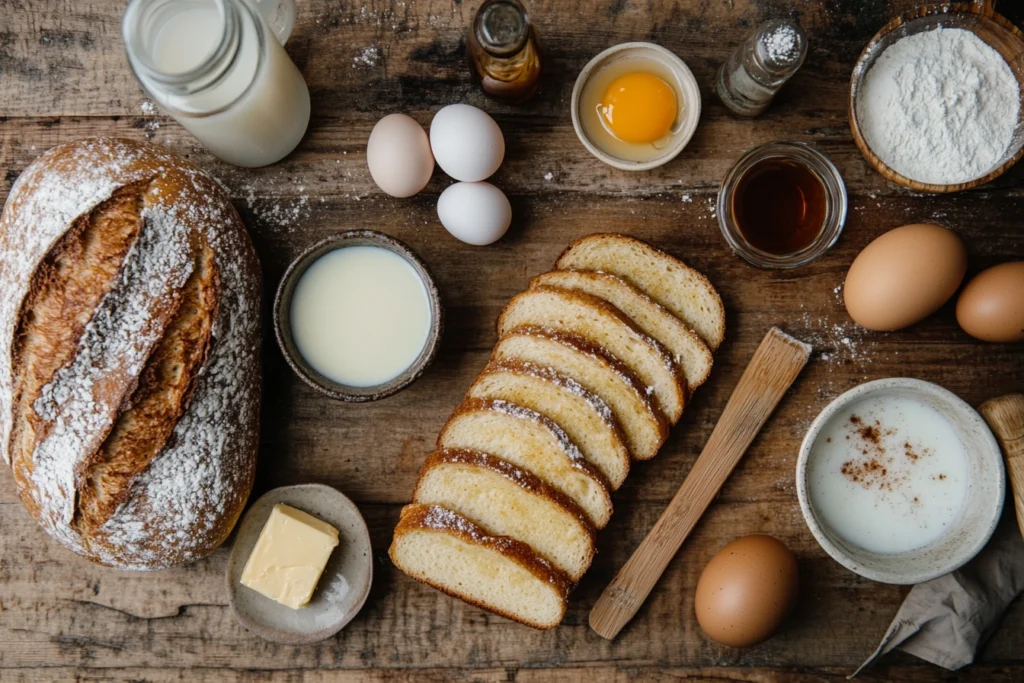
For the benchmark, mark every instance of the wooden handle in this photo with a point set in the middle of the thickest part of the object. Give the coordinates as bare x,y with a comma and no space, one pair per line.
775,365
1005,416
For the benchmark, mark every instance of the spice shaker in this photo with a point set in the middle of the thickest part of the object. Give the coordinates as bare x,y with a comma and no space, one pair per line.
220,69
759,67
502,51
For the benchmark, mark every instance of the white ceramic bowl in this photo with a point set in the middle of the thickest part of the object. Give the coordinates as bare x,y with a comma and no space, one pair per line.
684,81
982,508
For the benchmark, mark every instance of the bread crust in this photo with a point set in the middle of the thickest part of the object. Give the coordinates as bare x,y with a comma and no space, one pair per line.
136,446
525,480
546,374
719,332
434,518
665,357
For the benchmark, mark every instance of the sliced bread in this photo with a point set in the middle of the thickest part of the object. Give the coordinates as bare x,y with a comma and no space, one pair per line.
532,442
670,282
643,425
507,501
584,415
603,324
447,551
689,352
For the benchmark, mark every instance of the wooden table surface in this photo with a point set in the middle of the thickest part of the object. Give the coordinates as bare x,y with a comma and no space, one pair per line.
63,74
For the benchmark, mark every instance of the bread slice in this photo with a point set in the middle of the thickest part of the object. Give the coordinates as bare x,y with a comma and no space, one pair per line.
689,352
532,442
603,324
667,280
447,551
643,425
507,501
584,415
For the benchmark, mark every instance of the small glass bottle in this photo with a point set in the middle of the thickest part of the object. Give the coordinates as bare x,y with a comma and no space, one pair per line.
503,53
754,73
220,69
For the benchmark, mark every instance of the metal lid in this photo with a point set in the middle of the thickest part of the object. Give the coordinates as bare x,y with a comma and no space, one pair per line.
502,27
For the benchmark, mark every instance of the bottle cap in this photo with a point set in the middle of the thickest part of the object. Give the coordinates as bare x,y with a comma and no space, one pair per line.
781,45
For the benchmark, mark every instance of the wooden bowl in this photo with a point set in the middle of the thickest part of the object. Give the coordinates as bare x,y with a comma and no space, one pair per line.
981,19
283,327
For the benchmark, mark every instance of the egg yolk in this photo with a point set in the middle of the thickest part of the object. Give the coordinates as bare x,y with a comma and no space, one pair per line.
639,107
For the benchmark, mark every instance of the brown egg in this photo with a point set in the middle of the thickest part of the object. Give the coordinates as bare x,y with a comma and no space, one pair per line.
991,307
904,276
746,591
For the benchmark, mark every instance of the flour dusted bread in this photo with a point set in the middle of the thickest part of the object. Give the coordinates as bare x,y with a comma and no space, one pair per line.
129,353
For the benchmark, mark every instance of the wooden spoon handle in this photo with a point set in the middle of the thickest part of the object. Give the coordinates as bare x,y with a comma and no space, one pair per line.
1005,416
775,365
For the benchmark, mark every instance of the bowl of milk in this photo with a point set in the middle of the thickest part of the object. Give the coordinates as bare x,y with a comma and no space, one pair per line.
900,480
358,316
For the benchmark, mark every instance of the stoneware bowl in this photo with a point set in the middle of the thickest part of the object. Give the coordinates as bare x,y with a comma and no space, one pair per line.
685,82
343,587
978,17
981,511
282,317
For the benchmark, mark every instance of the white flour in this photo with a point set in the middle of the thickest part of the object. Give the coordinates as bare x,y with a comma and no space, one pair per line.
939,106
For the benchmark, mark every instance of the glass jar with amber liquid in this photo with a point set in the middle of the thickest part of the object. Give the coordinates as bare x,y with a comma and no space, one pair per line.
503,53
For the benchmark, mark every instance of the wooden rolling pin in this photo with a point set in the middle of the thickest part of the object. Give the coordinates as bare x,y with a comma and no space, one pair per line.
775,365
1005,416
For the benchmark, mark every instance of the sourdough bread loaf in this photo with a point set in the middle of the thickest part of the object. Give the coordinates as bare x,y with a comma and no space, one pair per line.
129,353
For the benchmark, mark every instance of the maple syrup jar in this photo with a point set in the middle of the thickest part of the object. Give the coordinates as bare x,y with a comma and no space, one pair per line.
782,205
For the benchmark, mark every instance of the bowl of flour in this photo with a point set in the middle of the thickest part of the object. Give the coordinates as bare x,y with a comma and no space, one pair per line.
935,98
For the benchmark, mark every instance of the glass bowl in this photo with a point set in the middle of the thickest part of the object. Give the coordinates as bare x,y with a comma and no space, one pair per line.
835,204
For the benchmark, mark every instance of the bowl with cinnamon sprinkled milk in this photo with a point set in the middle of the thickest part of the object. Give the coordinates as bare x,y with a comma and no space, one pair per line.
900,481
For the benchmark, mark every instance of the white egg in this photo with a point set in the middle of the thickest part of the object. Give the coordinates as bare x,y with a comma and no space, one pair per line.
476,213
467,143
399,157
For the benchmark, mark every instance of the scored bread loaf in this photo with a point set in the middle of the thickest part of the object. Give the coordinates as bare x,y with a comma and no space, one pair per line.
447,551
607,326
530,441
670,282
688,351
644,427
129,352
581,413
507,501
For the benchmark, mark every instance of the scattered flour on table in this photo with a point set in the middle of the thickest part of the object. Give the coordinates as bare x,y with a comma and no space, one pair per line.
939,106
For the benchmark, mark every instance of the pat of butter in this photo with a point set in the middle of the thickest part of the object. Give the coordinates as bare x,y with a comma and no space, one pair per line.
289,557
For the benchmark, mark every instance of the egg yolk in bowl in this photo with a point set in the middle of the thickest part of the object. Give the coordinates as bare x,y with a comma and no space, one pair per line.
639,107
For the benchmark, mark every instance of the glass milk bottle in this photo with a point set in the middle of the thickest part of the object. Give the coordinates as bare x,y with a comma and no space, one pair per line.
219,68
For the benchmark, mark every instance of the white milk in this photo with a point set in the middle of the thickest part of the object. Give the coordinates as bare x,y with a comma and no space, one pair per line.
360,315
888,474
257,112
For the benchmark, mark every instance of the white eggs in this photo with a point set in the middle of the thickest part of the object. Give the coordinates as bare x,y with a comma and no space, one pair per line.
398,154
476,213
466,142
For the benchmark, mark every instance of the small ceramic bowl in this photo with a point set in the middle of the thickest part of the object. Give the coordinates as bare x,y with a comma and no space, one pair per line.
342,589
685,83
282,317
978,517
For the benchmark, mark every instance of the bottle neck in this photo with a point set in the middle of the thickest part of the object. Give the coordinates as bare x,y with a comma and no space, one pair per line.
163,61
502,27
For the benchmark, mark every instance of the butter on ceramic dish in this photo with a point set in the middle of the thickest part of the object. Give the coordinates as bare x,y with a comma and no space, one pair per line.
290,556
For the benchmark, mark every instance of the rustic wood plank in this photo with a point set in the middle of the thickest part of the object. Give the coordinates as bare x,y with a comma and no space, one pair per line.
63,75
